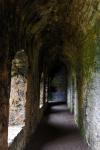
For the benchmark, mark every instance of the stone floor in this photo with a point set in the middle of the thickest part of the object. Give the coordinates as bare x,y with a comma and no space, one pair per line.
57,131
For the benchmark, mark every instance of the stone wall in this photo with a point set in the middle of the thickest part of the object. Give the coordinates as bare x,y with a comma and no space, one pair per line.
92,113
89,95
70,100
92,107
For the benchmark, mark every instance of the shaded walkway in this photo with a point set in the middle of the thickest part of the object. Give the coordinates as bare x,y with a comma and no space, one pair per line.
57,131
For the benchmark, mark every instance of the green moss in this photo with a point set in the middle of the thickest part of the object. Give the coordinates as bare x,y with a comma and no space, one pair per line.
84,69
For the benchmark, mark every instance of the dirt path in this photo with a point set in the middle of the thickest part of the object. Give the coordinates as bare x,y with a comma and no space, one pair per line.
57,131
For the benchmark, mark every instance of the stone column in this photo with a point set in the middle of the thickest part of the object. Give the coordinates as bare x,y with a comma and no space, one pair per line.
4,104
32,99
44,82
80,94
29,104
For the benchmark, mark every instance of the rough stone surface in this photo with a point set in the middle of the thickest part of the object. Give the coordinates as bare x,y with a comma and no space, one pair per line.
48,31
92,120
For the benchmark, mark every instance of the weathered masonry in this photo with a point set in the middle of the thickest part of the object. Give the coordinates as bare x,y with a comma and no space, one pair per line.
36,38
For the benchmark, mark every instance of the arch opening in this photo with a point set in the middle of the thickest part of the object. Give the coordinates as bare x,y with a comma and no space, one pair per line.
58,82
17,95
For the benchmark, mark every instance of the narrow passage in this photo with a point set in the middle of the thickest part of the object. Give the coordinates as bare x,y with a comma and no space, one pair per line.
57,131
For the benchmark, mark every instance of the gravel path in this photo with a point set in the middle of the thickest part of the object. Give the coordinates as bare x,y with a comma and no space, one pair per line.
57,131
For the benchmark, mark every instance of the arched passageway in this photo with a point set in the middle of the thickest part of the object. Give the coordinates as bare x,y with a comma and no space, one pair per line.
57,82
57,129
61,40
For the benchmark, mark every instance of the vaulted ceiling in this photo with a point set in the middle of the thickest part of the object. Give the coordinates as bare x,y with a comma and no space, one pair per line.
49,29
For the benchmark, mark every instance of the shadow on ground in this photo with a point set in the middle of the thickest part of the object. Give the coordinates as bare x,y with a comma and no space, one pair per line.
57,131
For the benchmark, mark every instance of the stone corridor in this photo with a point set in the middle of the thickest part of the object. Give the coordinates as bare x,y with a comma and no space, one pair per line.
49,50
57,131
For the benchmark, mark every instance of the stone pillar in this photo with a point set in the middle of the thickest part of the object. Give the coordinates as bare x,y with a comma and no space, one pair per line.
70,100
4,105
75,100
80,99
44,93
92,106
29,103
32,99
